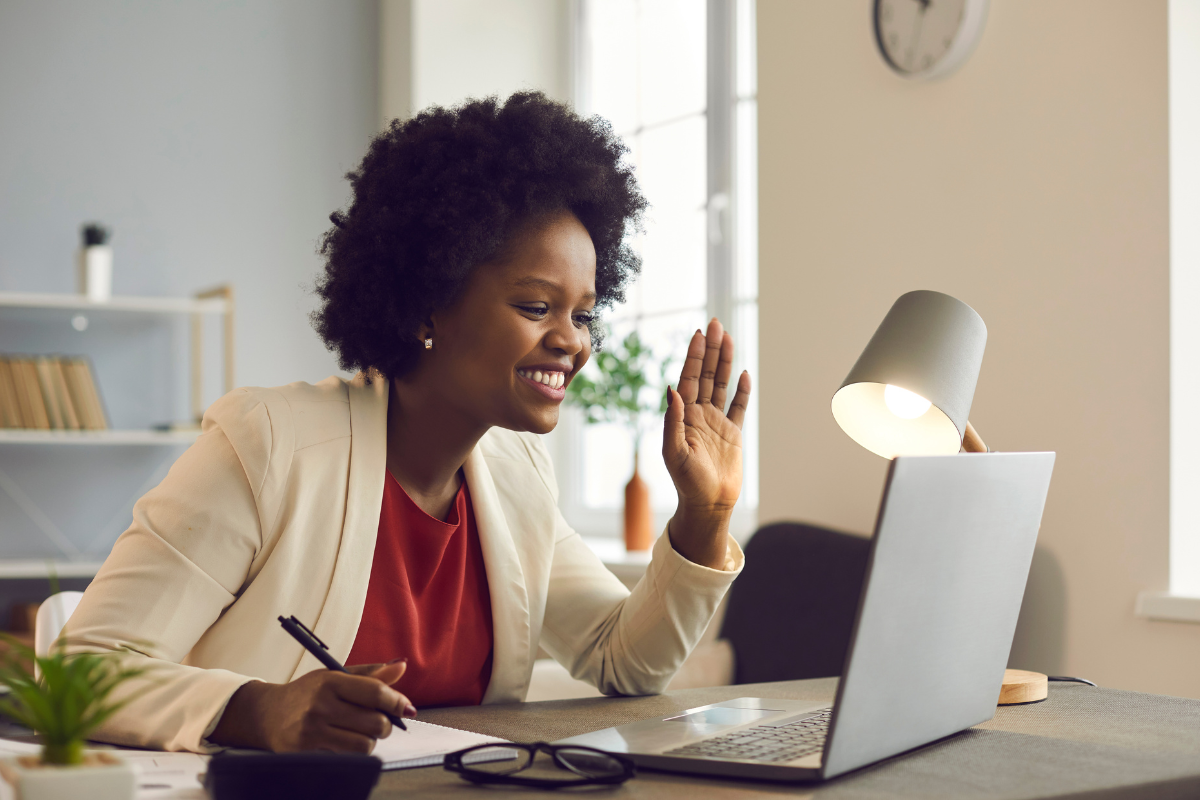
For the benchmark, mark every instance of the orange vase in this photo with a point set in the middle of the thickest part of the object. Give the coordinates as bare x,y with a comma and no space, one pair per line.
639,522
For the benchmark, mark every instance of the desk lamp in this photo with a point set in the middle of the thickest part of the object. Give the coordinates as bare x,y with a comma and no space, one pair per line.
910,393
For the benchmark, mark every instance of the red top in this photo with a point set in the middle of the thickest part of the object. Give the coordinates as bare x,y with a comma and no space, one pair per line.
428,601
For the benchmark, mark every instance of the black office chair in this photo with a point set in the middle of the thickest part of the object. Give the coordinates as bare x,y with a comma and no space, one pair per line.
791,610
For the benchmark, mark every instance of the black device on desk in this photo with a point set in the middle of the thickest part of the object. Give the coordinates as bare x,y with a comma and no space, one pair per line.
291,776
300,632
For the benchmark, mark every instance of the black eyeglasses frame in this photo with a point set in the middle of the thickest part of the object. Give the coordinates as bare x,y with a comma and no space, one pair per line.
453,762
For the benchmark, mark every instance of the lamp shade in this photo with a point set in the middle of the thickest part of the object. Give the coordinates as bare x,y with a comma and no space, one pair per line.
910,391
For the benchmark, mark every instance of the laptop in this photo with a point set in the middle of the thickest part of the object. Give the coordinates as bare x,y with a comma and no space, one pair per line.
946,574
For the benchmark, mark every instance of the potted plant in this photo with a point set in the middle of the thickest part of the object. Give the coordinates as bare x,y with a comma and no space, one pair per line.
618,390
64,697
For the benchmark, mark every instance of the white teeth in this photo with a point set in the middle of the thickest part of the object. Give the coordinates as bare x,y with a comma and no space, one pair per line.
555,380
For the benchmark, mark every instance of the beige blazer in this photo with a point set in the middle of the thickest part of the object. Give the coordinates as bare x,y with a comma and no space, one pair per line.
274,510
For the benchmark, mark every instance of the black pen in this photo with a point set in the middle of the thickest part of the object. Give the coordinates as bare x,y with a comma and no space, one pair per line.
300,632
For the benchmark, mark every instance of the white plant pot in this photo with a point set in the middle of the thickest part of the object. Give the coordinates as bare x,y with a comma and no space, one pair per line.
103,777
95,273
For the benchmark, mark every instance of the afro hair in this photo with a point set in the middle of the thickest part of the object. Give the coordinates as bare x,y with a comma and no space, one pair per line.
443,192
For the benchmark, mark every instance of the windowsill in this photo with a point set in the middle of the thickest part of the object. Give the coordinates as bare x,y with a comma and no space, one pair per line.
627,565
1167,606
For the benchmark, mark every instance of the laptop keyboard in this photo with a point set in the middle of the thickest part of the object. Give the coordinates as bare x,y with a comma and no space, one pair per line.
771,743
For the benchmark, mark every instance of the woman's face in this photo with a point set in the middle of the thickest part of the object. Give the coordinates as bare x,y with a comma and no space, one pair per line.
503,353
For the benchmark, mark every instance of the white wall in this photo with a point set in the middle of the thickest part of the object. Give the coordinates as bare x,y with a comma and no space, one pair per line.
472,48
213,137
1033,185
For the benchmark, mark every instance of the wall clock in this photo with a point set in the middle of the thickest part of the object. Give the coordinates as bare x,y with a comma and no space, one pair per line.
924,39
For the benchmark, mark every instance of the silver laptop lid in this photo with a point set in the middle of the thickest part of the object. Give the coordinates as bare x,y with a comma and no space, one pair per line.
953,542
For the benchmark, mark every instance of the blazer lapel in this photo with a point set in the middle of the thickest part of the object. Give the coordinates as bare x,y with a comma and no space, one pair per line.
506,587
338,622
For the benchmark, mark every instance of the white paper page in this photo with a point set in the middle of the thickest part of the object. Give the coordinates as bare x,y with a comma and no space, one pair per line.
424,744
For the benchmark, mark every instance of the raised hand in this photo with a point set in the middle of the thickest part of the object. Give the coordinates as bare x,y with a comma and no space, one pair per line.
702,447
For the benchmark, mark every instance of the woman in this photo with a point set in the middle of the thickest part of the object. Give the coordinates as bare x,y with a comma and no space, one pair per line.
409,515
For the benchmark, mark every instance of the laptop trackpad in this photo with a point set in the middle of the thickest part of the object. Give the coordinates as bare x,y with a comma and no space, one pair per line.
724,715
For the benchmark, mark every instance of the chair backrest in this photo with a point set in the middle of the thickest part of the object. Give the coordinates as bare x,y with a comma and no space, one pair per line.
52,617
791,611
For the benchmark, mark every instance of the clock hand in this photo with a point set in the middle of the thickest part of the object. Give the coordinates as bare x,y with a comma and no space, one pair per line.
916,34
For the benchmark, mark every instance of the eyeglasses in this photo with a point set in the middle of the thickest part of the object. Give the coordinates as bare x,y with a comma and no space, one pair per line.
500,763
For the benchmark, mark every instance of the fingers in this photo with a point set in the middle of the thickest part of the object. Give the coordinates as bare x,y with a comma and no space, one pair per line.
689,376
388,673
343,741
674,437
712,356
724,369
362,721
737,409
370,694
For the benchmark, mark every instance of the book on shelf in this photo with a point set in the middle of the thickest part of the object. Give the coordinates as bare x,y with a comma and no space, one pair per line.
29,395
50,393
59,380
10,407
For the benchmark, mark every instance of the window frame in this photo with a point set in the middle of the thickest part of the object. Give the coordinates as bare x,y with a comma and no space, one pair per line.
731,282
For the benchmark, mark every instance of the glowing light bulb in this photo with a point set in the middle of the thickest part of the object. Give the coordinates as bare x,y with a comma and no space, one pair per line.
903,403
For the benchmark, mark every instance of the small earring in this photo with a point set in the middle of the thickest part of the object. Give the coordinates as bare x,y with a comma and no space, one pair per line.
429,343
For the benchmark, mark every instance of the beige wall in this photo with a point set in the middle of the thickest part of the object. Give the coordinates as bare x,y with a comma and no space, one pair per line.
1033,185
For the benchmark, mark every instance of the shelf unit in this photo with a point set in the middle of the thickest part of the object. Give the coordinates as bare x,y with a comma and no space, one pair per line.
216,301
148,305
32,568
126,437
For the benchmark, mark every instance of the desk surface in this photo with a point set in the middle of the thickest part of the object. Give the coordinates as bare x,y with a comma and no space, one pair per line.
1081,742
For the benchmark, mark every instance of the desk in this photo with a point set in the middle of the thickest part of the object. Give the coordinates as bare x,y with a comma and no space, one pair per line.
1081,742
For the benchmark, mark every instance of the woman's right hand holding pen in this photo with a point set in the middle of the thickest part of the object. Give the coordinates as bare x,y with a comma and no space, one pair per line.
321,710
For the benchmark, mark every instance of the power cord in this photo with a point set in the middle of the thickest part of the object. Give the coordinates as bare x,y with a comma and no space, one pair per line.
1066,679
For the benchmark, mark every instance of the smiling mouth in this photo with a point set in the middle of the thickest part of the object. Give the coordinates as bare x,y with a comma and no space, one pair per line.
551,380
548,384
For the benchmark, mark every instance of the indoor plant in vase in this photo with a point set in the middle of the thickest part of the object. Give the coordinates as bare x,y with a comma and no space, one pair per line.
64,697
617,390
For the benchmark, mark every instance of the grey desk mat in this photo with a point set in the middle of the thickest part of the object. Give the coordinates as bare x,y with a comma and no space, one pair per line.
1082,742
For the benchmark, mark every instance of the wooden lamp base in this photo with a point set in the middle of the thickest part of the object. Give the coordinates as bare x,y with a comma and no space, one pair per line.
1021,686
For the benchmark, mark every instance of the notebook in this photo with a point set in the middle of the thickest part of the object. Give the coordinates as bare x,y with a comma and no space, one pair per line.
424,744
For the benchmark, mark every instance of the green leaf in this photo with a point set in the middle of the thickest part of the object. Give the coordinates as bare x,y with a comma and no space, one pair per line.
70,699
622,384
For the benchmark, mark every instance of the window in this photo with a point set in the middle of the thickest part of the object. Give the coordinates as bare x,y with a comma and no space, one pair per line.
676,80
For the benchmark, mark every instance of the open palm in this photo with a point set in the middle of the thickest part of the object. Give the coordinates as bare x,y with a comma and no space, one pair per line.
702,444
